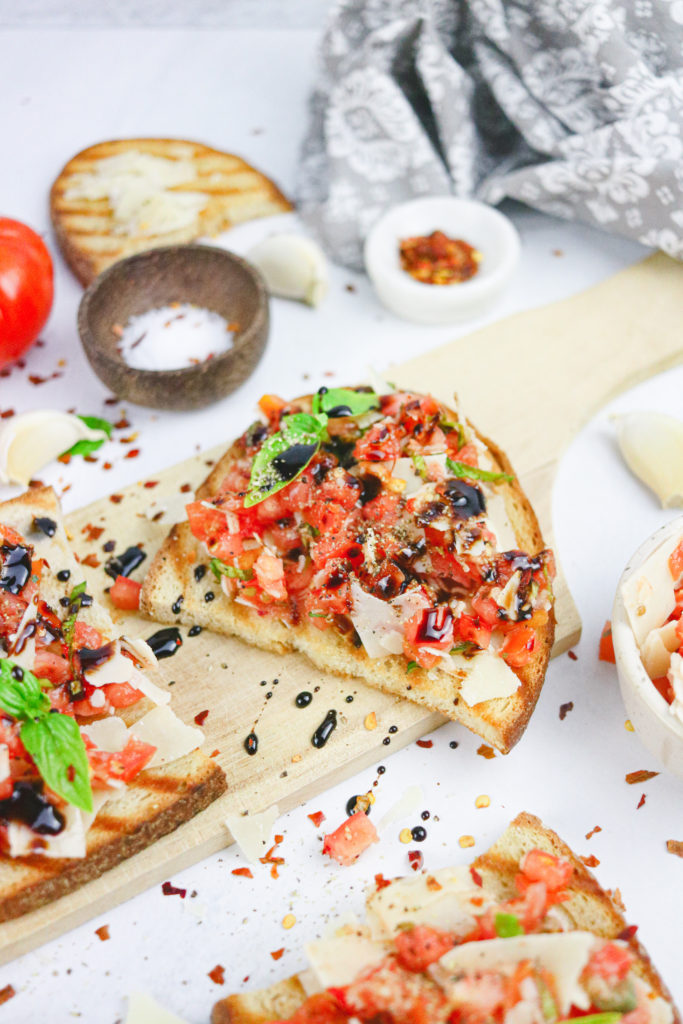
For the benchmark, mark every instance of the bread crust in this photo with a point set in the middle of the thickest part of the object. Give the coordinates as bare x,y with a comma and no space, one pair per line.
589,907
501,722
237,192
156,802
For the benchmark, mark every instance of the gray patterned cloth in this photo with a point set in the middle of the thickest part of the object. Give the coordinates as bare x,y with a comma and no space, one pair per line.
574,107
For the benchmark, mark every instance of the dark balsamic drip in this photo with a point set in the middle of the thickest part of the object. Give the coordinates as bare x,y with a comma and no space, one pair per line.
321,467
85,600
109,546
324,730
391,582
43,524
372,485
352,806
335,579
434,510
194,630
65,602
342,451
209,595
27,804
25,635
411,552
16,568
17,672
465,499
453,744
63,575
429,629
199,572
175,607
290,462
386,741
339,410
251,743
255,434
356,640
322,390
381,770
90,657
125,563
50,630
294,554
393,729
303,699
419,833
518,560
165,642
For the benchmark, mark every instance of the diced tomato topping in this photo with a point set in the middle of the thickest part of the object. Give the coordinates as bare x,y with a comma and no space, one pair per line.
206,523
12,610
125,594
382,443
52,667
270,575
321,1008
486,608
123,765
353,836
6,787
519,645
87,636
122,695
606,651
418,947
473,630
540,866
610,962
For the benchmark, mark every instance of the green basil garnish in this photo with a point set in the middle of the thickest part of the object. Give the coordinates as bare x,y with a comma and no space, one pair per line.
507,925
285,455
411,666
219,568
595,1018
420,466
356,402
84,447
53,740
461,469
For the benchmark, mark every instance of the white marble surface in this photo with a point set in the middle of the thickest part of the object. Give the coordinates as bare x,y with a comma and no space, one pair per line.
246,91
281,14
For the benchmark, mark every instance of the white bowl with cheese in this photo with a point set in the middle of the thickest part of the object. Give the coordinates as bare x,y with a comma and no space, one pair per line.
642,604
490,232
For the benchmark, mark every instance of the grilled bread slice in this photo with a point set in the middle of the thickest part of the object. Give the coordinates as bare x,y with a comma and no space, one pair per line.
155,802
186,191
589,908
500,721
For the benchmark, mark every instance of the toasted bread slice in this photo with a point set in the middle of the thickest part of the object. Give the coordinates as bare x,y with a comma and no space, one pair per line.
499,721
155,802
589,908
92,237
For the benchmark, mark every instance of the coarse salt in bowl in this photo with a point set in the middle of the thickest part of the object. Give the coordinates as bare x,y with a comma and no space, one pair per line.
489,231
660,730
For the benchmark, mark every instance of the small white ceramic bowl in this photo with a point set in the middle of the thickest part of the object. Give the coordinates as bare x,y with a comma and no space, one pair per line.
481,226
659,731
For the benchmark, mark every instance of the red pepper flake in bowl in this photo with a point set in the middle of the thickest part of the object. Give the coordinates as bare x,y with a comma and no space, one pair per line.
438,259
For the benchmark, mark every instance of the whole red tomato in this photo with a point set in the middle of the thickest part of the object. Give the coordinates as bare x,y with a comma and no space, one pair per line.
26,288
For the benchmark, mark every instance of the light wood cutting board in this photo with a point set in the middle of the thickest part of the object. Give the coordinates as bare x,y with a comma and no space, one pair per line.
529,382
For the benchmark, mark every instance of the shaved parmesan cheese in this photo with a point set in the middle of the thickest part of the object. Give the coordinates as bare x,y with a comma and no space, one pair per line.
339,961
648,593
442,899
379,623
409,802
4,762
405,469
109,734
165,731
70,842
252,832
145,685
498,521
116,669
563,954
142,1009
140,650
657,649
484,677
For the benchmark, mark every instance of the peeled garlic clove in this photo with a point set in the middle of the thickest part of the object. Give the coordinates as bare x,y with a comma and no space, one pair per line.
294,267
652,446
32,439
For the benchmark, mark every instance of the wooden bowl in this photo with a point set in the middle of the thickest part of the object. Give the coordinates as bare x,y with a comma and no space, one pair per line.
200,274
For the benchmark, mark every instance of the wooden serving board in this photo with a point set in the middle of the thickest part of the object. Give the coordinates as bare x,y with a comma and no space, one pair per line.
529,382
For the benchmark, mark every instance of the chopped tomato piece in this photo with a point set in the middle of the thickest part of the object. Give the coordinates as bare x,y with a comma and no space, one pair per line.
486,608
125,594
473,630
382,509
606,651
422,945
610,962
321,1008
207,524
382,443
124,764
519,645
87,636
52,667
540,866
122,695
12,610
6,787
270,575
353,836
271,406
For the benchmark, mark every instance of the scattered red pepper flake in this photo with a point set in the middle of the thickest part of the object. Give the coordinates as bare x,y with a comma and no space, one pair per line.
6,413
641,776
640,802
274,861
35,379
573,655
217,975
122,424
628,933
172,890
91,560
64,458
381,882
565,709
92,532
132,454
276,954
130,438
90,458
425,744
107,465
590,861
33,483
185,488
150,483
415,859
7,993
242,872
596,828
486,751
102,932
214,753
317,818
476,877
201,717
432,884
113,400
606,648
674,846
116,498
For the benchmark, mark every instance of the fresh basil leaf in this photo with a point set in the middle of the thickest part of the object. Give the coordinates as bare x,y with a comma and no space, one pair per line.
461,469
285,455
345,402
420,466
96,423
219,568
411,666
56,745
448,427
21,698
507,925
